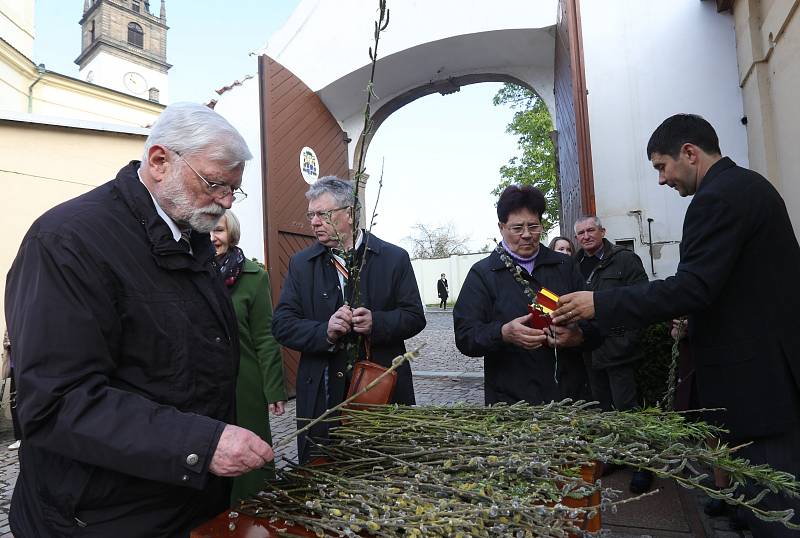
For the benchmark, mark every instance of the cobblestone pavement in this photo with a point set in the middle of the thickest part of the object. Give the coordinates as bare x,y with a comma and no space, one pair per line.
442,376
439,353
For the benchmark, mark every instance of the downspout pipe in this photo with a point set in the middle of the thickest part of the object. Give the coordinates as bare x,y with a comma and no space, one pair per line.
650,243
41,71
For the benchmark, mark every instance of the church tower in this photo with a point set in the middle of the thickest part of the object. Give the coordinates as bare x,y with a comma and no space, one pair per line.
124,47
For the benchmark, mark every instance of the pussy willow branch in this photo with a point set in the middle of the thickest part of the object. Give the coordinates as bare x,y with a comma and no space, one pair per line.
379,26
668,402
363,261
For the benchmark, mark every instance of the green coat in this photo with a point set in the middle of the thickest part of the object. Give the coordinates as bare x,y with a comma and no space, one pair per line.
260,380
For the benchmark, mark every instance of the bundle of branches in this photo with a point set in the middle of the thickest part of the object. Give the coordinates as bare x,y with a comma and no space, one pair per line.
493,471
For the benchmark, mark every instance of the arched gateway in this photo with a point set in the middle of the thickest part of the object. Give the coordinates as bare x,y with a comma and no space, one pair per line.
312,91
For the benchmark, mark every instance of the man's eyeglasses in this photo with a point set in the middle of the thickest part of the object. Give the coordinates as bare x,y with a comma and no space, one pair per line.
519,229
324,215
217,190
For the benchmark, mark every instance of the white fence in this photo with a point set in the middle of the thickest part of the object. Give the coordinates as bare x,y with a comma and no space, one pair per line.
455,269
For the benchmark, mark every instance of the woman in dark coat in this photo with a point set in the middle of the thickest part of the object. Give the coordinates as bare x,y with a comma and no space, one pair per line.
442,288
259,385
491,318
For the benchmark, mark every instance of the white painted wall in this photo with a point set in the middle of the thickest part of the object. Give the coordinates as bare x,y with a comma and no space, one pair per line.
16,24
343,30
646,60
108,71
240,107
455,268
325,44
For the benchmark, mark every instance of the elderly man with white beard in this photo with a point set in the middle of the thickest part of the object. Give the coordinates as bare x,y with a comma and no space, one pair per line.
126,346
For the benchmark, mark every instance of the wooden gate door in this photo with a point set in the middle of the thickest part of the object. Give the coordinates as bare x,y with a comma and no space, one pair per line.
292,117
572,119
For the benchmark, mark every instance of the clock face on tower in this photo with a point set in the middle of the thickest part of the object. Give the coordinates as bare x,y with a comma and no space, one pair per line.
134,82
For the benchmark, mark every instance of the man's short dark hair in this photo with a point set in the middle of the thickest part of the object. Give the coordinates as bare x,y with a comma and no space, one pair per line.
516,197
681,129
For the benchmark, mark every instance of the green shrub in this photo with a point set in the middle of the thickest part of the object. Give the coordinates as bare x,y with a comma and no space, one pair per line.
653,370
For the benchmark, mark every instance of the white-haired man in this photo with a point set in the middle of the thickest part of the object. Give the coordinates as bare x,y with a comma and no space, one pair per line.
126,346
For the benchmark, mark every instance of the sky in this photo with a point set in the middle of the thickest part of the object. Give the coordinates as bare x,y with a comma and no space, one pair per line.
440,154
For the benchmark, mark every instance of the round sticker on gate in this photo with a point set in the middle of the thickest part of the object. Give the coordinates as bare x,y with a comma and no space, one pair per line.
309,165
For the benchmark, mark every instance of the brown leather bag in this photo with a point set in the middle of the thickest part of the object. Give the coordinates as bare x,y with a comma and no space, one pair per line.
364,373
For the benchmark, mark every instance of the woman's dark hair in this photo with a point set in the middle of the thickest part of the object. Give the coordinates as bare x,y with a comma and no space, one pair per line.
680,129
552,245
515,197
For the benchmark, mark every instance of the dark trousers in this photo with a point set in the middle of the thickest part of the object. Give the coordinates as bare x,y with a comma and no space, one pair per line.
572,377
443,301
614,387
781,452
13,402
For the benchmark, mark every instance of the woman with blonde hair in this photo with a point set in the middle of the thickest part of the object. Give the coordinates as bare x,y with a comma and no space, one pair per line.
259,386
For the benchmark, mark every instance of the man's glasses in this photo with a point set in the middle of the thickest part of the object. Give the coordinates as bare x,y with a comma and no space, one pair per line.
324,215
519,229
217,190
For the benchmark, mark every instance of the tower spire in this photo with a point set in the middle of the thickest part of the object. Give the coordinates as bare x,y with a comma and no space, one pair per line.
163,14
86,5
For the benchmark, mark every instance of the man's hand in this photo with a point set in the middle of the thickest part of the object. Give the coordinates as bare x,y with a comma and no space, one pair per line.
567,336
239,451
277,408
679,329
517,332
340,323
362,320
574,307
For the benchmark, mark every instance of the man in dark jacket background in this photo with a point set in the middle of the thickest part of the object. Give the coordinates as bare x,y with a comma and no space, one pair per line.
311,316
612,366
742,300
125,346
606,266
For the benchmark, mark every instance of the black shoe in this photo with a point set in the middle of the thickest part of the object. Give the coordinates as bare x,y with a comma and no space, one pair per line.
641,482
716,508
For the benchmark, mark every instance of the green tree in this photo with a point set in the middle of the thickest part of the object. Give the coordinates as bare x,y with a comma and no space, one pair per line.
537,163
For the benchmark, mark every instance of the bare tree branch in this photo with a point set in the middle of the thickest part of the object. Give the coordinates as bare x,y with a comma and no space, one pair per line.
430,241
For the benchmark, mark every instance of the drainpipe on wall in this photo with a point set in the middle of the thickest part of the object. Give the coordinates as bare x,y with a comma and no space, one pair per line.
650,243
41,71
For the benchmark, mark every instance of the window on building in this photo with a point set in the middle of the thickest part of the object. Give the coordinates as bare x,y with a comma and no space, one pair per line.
135,5
135,35
625,243
153,94
91,32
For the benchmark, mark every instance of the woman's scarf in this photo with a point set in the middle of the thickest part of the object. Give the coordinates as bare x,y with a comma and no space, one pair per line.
230,265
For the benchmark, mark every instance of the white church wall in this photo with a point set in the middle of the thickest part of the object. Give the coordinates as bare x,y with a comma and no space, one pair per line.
109,71
643,63
16,24
239,105
309,29
425,41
